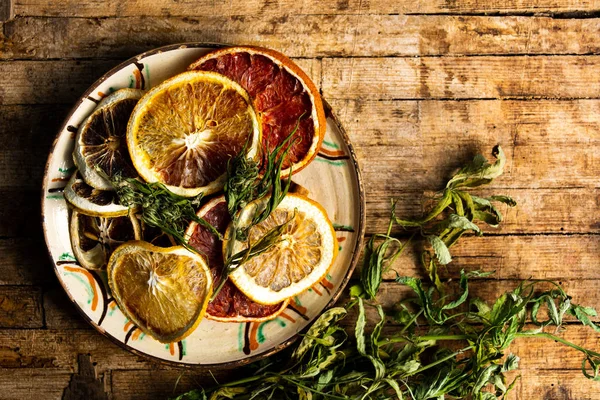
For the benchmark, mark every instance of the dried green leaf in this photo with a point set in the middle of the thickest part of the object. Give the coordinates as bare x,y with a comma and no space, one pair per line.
479,171
441,251
583,314
322,323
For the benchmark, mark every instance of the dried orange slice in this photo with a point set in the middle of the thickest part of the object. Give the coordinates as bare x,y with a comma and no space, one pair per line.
183,132
302,257
164,291
94,238
100,142
230,305
283,96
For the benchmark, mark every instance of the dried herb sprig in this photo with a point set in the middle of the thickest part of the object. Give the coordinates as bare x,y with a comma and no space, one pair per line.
160,207
457,211
419,360
245,184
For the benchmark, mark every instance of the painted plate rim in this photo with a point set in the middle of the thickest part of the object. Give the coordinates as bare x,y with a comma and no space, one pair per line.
251,358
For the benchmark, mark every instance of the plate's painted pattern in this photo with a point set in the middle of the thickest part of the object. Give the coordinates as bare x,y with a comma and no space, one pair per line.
332,179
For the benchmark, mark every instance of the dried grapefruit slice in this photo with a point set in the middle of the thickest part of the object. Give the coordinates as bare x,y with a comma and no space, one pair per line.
307,250
283,96
100,141
230,305
164,291
183,132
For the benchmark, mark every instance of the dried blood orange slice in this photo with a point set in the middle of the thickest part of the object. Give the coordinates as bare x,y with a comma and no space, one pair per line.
230,305
283,96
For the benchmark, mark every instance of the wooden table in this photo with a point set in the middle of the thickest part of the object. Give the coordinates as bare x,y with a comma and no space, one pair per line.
421,86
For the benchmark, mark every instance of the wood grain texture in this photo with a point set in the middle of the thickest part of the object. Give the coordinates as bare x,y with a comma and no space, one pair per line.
28,383
63,82
302,35
516,257
59,349
461,77
21,307
24,262
6,10
431,138
112,8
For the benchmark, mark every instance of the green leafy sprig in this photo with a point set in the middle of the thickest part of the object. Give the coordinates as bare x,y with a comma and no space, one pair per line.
416,361
457,211
160,207
245,184
445,344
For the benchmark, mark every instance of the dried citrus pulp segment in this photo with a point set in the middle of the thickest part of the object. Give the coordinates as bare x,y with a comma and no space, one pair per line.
183,132
164,291
283,96
101,140
301,258
94,238
230,305
102,203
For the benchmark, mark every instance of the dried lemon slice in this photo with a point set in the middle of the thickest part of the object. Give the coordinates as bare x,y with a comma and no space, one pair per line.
101,142
306,250
164,291
91,201
94,238
183,132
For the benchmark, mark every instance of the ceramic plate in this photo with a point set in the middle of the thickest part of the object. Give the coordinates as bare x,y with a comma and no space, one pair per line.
333,179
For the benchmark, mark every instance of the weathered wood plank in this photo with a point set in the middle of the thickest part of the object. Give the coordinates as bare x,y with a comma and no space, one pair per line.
31,82
390,135
62,82
427,139
190,8
32,383
51,82
515,257
461,77
6,11
538,210
583,292
554,385
163,384
27,133
21,307
19,211
51,349
302,35
58,349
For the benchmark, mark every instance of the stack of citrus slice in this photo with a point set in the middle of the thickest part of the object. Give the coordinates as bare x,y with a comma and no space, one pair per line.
229,305
182,134
283,96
